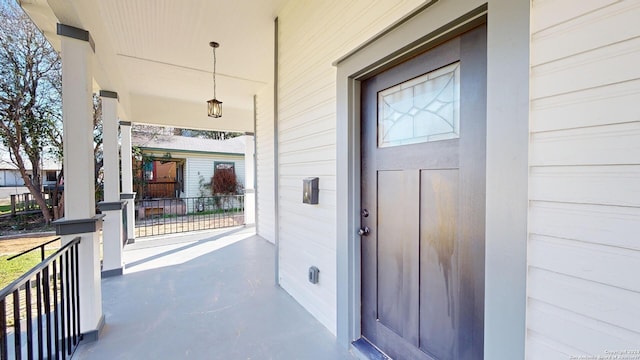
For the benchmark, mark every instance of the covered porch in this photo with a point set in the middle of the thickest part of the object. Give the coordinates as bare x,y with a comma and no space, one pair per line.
151,64
206,295
549,235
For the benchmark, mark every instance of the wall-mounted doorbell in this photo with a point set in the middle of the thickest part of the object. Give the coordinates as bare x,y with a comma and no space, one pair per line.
310,190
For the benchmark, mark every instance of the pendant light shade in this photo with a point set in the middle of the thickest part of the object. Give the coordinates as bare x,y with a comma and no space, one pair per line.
214,106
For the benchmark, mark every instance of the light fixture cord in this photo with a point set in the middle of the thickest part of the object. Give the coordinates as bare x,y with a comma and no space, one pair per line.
214,72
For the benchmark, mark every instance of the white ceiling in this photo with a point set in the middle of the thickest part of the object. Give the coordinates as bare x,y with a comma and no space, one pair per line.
156,54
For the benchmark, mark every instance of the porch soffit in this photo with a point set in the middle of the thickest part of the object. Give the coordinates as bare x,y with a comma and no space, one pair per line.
155,54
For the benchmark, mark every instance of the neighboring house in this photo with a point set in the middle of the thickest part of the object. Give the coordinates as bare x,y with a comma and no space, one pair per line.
178,166
10,175
50,172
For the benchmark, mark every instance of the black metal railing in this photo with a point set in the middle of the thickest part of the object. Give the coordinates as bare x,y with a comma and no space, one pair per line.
47,325
41,247
176,215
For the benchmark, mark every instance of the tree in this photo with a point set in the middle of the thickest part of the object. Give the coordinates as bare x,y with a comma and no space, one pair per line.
30,96
98,155
224,181
206,134
153,132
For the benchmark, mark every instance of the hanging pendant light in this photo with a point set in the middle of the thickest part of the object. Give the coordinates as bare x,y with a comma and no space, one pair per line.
214,106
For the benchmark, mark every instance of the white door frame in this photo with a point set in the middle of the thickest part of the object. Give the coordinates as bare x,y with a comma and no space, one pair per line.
507,157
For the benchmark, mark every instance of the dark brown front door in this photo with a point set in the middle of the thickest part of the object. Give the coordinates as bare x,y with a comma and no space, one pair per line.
423,189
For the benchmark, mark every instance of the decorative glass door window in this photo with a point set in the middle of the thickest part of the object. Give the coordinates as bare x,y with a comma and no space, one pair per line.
419,110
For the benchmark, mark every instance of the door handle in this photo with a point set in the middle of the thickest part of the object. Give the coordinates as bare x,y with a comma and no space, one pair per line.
364,231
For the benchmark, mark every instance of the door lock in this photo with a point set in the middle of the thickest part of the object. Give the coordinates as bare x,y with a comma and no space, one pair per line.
363,231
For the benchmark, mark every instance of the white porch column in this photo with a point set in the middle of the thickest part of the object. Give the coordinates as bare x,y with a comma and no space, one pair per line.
80,218
127,178
112,261
249,182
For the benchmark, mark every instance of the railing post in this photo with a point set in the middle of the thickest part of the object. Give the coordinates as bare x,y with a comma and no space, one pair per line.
47,305
13,205
4,353
16,324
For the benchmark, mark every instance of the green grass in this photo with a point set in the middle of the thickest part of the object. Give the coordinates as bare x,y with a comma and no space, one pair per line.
11,270
5,209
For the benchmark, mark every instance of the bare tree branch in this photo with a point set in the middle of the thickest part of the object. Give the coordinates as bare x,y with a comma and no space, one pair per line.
30,103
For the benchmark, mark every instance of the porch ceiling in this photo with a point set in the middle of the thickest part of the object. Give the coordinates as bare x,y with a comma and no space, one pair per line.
155,54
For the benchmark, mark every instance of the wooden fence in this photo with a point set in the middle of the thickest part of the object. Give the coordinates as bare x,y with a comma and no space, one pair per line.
25,203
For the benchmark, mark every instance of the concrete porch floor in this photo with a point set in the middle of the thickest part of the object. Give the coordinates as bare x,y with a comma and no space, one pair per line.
205,296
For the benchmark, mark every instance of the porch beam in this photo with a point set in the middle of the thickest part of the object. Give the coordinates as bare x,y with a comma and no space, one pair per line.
112,263
79,202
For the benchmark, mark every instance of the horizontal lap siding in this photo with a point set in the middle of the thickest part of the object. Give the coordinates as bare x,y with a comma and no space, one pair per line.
313,34
584,184
265,205
197,167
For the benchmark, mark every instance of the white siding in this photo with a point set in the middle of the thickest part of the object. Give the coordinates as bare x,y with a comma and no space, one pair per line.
584,213
313,34
10,178
265,207
197,167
